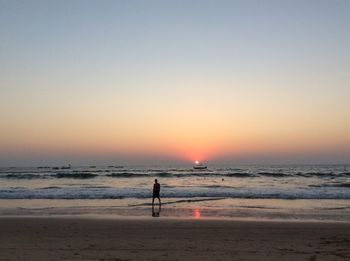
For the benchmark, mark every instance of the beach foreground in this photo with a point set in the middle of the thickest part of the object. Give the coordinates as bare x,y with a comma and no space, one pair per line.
75,238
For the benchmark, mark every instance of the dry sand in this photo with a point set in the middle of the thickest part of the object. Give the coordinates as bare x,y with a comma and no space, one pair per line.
162,239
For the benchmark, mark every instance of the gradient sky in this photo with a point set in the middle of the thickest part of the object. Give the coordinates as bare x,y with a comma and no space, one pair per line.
174,81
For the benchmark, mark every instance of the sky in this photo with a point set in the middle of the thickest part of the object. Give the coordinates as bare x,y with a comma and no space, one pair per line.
162,82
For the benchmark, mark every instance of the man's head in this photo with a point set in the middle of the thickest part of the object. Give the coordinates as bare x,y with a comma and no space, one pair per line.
156,181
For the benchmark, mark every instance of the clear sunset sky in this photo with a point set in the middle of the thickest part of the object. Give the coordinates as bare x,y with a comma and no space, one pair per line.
174,81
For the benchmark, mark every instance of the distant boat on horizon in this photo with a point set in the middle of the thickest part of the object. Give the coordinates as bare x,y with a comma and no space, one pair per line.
199,165
66,167
116,166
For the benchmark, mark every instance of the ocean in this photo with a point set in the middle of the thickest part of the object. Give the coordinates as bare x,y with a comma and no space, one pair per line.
250,191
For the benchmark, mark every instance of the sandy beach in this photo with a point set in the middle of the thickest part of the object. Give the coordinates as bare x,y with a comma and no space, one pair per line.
79,238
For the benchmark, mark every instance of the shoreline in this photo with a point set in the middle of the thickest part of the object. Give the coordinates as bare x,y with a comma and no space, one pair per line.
74,238
172,219
235,209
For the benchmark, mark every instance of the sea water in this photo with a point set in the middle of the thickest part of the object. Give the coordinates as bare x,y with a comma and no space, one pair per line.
253,191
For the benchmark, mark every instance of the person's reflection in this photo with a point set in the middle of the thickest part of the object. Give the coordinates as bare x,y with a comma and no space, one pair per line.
156,213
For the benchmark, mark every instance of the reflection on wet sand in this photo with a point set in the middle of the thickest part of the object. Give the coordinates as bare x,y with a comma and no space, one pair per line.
197,213
156,212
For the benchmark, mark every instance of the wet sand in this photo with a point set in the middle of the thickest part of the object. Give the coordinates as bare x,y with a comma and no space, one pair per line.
170,239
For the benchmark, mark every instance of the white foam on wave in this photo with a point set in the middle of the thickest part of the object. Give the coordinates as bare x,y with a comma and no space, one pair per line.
193,192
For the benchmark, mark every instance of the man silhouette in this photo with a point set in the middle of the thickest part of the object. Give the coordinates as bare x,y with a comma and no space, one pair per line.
156,190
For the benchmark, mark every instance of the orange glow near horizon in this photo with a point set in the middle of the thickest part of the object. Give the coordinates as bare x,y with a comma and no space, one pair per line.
172,134
163,147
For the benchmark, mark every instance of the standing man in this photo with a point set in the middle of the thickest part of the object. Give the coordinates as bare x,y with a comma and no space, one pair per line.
156,190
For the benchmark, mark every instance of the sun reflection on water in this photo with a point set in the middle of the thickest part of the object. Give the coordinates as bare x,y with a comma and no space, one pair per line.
197,213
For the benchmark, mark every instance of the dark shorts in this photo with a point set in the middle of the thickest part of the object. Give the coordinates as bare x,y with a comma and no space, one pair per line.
155,194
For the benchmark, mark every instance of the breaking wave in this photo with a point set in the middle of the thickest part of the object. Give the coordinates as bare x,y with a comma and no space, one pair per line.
182,192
